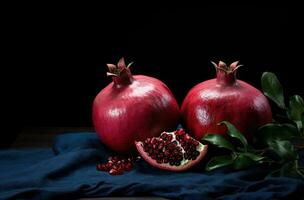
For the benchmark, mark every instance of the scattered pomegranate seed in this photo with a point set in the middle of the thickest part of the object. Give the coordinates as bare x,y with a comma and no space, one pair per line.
117,165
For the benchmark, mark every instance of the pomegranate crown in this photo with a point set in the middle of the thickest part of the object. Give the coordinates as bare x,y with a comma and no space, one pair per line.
116,70
228,69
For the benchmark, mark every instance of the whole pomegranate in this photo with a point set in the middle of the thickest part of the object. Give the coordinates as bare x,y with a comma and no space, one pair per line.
225,98
132,108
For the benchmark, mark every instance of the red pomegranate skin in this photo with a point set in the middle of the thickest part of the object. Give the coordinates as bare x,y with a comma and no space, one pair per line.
225,99
133,108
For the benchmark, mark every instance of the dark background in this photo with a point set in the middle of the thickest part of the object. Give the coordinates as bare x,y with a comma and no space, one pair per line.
57,53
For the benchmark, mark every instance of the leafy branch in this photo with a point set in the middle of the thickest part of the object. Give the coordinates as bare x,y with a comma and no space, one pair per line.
239,158
280,142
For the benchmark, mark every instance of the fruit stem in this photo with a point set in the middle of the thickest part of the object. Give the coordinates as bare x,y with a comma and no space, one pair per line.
120,73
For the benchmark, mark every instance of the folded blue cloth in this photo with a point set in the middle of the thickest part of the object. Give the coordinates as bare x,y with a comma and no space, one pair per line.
67,171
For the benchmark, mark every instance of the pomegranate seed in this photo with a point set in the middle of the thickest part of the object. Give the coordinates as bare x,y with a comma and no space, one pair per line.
169,137
128,167
187,138
195,143
109,164
115,172
116,165
102,167
180,132
148,140
159,161
153,140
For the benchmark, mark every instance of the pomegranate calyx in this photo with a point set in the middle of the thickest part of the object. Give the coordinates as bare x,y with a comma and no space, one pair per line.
226,75
119,68
235,65
227,69
120,73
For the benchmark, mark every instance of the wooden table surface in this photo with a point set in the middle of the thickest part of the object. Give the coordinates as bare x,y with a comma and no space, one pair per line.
44,136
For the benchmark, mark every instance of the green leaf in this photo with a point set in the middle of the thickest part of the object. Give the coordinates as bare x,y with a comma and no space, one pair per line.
219,141
243,161
273,89
284,149
270,132
296,109
296,104
302,119
300,172
274,173
287,169
255,157
233,132
219,161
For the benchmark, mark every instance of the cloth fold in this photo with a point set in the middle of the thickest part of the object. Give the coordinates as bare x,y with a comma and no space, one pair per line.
68,171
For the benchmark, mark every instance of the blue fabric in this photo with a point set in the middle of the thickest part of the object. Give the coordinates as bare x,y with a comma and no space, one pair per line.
67,171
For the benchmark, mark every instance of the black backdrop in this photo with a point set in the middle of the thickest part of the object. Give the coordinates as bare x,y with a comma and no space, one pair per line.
57,53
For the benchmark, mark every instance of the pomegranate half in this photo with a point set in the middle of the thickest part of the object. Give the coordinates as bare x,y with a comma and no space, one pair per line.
173,151
224,99
132,108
